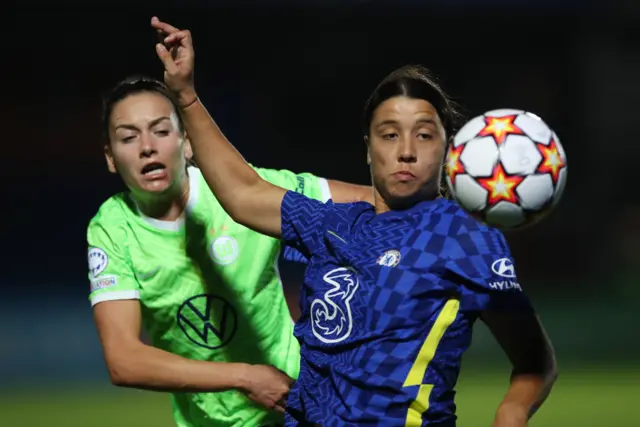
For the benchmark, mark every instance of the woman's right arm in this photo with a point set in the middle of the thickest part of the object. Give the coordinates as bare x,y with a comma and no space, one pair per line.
115,294
132,363
247,198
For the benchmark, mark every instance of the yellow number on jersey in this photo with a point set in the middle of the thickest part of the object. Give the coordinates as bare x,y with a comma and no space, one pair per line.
425,355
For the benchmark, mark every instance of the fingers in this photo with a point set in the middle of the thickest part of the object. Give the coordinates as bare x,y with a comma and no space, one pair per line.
180,37
166,58
163,26
281,403
171,34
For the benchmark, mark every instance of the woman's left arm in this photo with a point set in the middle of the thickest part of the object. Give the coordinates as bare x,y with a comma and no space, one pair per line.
526,344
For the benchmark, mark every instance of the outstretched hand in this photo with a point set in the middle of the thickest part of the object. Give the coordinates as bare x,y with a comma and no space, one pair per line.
178,57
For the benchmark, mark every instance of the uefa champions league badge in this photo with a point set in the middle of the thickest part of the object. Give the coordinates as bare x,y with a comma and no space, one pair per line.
390,258
98,261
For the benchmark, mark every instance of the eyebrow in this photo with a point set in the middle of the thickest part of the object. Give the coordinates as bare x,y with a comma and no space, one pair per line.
153,123
423,120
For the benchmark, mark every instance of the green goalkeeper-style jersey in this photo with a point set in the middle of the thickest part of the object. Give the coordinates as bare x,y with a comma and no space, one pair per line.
209,289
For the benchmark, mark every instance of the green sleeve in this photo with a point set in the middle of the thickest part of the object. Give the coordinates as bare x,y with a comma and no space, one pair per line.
110,275
304,183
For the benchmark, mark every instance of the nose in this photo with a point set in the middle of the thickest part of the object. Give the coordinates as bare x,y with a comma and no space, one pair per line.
147,146
407,152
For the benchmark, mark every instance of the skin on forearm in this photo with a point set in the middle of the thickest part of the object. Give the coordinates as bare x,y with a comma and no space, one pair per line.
145,367
525,395
131,363
522,337
244,195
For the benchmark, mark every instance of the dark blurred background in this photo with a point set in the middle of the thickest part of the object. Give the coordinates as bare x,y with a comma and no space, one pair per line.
287,84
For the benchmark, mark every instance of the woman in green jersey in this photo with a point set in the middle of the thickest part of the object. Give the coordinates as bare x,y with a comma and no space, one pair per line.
165,258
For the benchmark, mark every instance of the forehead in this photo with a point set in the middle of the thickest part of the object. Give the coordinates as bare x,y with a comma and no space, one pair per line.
402,107
141,106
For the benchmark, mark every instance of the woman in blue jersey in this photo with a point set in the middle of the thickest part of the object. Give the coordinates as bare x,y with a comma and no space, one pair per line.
164,257
391,292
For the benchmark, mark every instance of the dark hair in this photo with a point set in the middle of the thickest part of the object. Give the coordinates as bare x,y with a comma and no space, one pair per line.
131,86
413,81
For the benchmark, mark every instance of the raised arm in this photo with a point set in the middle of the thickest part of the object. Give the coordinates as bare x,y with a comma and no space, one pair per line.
247,198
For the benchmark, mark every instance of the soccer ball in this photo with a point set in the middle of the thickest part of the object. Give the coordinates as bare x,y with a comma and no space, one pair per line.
507,168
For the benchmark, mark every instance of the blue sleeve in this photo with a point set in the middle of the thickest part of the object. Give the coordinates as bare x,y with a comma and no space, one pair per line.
482,259
293,255
303,222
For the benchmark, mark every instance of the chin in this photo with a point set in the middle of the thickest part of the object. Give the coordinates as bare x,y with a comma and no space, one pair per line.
155,187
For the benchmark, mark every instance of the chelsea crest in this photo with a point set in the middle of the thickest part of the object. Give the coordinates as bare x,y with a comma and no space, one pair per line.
390,258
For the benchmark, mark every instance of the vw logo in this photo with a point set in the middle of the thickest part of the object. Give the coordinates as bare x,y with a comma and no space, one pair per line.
207,320
504,267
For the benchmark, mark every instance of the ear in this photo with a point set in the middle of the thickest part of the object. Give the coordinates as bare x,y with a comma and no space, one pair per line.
188,151
108,155
366,141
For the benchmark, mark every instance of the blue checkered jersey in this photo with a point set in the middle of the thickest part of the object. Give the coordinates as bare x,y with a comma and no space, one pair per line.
387,308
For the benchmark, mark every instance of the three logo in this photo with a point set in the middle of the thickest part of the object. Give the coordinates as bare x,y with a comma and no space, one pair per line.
331,318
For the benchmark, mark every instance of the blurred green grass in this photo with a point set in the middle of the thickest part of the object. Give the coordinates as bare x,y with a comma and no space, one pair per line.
588,397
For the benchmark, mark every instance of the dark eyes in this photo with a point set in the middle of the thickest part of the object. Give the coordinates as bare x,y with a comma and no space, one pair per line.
390,136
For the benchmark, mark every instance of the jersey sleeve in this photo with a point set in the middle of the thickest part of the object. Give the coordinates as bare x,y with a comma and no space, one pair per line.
110,275
482,260
304,183
303,222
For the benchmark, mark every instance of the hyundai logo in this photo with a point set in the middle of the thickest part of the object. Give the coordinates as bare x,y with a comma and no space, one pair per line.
504,267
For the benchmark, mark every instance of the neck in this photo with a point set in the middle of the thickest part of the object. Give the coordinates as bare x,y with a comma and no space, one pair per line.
383,205
168,206
380,204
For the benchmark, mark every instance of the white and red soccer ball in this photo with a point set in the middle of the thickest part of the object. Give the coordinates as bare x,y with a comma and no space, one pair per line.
507,168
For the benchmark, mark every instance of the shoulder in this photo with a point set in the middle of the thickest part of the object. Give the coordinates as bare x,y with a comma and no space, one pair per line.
296,203
353,211
464,235
111,215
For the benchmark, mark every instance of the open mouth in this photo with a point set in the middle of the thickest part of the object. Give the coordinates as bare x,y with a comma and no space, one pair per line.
152,169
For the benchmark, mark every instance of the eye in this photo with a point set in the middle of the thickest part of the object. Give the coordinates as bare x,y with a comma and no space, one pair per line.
162,132
389,136
128,138
425,136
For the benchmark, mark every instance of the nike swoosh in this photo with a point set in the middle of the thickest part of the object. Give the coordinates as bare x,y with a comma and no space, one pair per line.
147,275
334,234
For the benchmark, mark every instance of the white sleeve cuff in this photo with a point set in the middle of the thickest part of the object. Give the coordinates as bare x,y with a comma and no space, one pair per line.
114,296
325,190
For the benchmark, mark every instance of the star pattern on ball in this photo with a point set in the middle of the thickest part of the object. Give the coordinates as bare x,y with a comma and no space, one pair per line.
552,161
500,127
501,186
454,166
